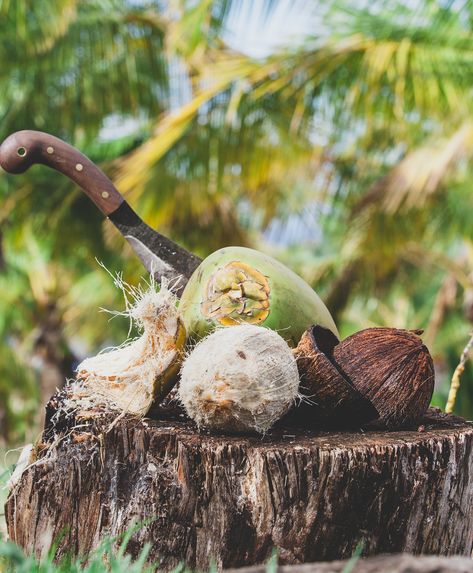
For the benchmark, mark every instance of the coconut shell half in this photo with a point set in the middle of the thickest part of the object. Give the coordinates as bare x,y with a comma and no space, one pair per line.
329,399
392,368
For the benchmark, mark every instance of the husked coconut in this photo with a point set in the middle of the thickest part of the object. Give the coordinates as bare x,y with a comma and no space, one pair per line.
238,379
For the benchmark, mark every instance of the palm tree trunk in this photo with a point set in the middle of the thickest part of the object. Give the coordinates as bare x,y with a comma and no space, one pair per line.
342,288
55,357
4,421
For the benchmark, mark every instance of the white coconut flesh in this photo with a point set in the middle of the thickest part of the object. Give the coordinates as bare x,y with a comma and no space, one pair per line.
132,375
240,378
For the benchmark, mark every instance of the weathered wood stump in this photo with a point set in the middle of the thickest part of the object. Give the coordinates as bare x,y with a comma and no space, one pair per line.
231,499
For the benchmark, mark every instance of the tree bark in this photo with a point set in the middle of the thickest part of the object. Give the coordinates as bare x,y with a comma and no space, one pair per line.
312,495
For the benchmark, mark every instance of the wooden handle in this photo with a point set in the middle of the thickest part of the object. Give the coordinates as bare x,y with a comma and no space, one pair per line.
25,148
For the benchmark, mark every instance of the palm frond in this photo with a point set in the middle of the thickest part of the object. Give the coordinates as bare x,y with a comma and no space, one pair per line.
100,59
420,173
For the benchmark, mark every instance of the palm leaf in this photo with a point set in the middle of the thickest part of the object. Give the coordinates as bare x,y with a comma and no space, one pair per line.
420,173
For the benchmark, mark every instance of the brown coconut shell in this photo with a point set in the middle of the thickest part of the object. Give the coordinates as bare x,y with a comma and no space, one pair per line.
392,368
329,399
382,374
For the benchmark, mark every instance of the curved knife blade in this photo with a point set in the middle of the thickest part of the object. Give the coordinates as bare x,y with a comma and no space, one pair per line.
161,256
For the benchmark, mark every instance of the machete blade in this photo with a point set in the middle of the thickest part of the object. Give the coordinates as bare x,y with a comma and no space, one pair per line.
162,257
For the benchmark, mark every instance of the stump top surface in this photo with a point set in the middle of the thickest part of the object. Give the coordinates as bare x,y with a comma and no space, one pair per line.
285,437
435,425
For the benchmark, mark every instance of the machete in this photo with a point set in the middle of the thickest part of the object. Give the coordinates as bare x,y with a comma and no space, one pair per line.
162,257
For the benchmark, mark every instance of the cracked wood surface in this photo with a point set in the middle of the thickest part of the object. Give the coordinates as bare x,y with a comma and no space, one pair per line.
231,499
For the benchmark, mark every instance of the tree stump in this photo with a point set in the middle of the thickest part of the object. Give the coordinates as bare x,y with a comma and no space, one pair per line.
231,500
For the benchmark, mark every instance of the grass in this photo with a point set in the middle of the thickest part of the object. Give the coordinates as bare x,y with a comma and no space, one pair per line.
6,467
105,558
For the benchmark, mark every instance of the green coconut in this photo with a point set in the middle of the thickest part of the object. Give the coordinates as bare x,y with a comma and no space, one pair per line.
237,285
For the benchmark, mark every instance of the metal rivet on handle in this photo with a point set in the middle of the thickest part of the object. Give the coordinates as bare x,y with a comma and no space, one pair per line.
79,167
50,150
105,194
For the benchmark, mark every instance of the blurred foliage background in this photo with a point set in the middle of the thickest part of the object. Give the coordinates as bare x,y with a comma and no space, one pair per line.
335,135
